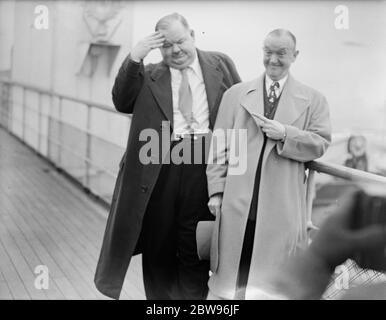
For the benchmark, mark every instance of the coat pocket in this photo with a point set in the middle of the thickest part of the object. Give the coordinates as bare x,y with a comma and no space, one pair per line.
214,248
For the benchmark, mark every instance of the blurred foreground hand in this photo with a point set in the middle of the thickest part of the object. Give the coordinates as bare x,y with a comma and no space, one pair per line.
306,275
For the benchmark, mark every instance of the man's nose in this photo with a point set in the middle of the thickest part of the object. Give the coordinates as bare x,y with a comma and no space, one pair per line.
176,48
273,59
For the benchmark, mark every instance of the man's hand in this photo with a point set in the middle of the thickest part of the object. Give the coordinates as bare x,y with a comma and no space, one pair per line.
214,204
143,47
307,274
337,241
272,128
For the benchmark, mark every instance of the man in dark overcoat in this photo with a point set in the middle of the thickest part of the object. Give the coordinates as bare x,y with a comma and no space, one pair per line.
158,200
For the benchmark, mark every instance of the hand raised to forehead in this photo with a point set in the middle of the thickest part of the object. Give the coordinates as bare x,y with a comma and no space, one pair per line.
144,46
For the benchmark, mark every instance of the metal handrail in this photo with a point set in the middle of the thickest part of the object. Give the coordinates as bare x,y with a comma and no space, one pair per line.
345,172
42,133
52,93
314,166
339,171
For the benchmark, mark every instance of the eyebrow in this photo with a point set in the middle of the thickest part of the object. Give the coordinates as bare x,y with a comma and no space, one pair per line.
279,50
180,39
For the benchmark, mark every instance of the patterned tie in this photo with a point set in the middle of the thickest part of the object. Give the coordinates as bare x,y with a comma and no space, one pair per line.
185,99
272,97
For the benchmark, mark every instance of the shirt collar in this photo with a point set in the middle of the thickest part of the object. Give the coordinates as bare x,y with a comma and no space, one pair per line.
269,81
195,66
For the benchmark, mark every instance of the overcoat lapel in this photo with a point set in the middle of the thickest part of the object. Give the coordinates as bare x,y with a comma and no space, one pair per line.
212,78
253,101
291,105
161,89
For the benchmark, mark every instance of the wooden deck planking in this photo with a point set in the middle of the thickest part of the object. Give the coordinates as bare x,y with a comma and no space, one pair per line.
9,247
32,258
5,293
13,280
46,220
88,245
57,231
137,280
59,211
89,218
56,221
63,258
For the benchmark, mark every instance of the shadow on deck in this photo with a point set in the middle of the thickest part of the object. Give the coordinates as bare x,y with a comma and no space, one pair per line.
46,220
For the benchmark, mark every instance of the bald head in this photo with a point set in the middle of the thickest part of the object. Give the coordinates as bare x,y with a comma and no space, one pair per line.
279,53
169,19
280,33
178,50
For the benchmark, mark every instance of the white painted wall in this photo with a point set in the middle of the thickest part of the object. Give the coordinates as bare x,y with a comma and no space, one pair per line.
348,66
6,33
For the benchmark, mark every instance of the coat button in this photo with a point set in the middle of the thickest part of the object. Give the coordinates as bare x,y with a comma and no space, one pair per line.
144,189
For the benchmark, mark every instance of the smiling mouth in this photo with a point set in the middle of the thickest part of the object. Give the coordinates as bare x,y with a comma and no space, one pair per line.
179,56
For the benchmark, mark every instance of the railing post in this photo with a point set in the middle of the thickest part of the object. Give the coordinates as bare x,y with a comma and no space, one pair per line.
310,197
3,106
88,147
49,126
9,108
23,115
40,123
60,132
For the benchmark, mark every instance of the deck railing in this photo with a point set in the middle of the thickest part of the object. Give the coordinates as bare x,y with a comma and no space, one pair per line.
345,173
39,118
80,146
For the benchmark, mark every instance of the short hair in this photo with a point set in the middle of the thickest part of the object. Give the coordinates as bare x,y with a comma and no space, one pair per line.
282,32
352,138
165,21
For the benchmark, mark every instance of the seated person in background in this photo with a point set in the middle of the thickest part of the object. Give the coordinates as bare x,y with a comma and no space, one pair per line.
356,147
306,275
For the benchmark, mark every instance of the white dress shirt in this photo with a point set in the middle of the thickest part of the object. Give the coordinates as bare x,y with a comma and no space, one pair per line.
200,107
269,81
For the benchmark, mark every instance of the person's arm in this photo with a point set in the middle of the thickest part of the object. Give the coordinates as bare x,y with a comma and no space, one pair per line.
233,76
218,161
307,275
130,76
312,142
127,85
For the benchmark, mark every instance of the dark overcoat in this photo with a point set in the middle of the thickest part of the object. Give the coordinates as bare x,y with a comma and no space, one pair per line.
145,92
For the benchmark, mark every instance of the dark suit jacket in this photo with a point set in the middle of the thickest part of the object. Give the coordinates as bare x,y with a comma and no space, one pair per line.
146,93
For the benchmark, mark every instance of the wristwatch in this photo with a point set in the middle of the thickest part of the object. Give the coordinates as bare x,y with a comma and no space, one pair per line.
285,135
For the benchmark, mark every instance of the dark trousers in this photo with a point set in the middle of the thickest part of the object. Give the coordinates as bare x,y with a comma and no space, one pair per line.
171,267
249,235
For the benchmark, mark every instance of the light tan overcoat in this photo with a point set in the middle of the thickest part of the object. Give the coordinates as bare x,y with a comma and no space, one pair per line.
281,223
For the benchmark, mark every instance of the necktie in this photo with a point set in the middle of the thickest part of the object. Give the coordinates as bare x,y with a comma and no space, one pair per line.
272,97
185,99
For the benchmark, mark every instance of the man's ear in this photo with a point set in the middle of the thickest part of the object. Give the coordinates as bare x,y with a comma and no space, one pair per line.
296,54
192,34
